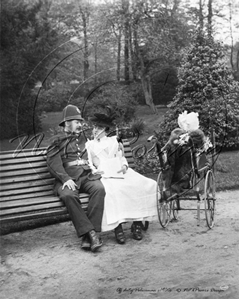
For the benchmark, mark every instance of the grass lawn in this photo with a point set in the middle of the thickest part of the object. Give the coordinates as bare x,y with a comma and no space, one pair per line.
226,169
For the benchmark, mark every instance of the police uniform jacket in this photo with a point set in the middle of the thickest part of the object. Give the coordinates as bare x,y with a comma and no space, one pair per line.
66,148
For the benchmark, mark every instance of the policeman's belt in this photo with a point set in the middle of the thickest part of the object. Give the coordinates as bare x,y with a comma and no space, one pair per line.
78,162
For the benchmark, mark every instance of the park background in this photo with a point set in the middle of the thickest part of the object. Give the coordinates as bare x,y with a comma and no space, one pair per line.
149,60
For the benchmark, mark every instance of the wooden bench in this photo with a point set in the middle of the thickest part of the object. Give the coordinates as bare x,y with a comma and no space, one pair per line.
26,186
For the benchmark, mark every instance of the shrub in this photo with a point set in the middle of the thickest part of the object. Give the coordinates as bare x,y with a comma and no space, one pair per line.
206,86
54,99
117,96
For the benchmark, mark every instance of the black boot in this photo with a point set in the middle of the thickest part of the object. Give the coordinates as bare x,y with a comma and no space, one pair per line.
95,242
119,234
136,230
85,244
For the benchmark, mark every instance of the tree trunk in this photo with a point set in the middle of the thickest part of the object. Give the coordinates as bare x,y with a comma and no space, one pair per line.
201,23
84,16
236,72
175,7
147,89
126,55
231,35
125,7
132,56
96,60
118,55
145,80
209,19
237,62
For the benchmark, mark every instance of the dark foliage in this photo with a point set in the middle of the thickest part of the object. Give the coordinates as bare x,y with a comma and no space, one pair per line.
26,38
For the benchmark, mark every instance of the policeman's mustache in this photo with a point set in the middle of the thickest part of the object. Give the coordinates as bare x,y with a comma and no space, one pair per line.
83,128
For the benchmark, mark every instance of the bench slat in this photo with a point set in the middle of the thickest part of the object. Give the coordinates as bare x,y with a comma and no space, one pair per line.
128,154
36,215
16,160
10,180
40,194
27,178
25,191
17,196
33,208
11,211
130,161
27,184
23,172
23,153
27,202
32,166
37,201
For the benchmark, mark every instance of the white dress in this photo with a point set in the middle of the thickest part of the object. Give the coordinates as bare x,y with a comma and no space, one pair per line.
130,196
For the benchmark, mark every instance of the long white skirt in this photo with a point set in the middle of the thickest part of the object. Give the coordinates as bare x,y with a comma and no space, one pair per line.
130,199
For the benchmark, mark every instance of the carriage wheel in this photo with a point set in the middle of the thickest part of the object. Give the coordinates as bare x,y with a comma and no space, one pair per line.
209,198
175,208
163,206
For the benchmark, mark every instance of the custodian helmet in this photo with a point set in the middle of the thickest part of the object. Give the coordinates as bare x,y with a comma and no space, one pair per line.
70,112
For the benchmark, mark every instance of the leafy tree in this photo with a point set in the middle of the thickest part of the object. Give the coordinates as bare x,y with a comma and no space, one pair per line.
206,86
149,36
159,33
26,38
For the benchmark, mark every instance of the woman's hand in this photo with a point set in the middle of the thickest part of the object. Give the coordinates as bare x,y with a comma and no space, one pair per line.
123,169
70,184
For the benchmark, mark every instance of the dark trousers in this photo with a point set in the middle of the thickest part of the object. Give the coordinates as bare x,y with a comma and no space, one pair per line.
84,222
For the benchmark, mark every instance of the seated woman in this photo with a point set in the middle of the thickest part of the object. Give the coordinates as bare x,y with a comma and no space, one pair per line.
130,196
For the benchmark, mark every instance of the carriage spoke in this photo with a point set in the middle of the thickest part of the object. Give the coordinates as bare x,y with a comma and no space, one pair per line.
175,208
209,198
163,206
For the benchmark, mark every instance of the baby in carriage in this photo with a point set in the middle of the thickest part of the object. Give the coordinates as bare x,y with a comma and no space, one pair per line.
180,149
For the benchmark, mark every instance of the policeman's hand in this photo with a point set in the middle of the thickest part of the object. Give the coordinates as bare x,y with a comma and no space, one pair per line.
70,184
123,169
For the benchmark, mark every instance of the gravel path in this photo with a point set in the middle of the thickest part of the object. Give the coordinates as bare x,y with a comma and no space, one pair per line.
182,261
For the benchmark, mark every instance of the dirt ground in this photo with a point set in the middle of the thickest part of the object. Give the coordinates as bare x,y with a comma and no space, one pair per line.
182,261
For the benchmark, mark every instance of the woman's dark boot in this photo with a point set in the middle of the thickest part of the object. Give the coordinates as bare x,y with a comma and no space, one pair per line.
119,234
136,230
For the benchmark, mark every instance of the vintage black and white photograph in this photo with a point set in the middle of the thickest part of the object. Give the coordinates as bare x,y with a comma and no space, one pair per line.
119,149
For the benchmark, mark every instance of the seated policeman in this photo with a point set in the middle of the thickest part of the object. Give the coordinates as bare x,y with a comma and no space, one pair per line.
73,175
